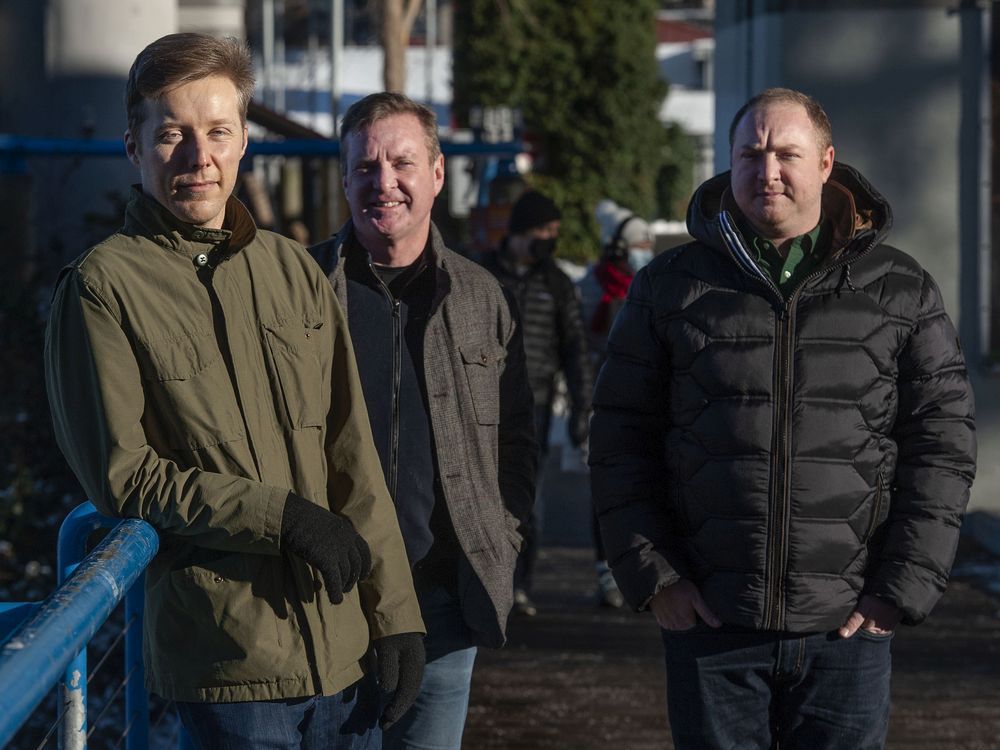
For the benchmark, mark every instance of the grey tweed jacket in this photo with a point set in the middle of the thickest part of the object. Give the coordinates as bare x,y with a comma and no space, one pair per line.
481,417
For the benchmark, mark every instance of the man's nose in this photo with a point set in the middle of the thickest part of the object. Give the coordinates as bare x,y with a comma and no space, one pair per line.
199,151
385,177
769,168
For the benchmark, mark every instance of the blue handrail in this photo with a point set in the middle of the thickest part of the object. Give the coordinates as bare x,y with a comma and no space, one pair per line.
50,641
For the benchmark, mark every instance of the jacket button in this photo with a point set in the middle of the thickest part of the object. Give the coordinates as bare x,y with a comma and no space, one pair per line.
219,579
483,358
201,260
198,234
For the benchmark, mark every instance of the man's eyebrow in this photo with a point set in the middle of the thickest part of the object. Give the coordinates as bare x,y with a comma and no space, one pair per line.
402,154
172,122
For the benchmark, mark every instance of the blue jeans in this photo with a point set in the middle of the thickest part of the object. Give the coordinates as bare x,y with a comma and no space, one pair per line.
345,721
751,689
437,718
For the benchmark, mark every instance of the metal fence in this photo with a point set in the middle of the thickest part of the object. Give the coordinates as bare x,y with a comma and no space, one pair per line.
43,643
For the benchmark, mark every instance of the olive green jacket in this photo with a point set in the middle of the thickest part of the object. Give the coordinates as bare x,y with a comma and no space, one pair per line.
195,378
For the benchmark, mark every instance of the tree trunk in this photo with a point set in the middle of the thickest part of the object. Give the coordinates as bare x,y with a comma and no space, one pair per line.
397,22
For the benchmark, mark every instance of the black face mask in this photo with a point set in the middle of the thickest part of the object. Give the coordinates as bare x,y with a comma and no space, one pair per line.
540,249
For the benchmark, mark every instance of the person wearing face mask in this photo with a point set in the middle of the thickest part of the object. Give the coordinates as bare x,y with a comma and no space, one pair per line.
629,249
554,341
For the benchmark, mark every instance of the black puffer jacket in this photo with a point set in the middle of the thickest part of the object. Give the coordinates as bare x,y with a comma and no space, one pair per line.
554,338
785,456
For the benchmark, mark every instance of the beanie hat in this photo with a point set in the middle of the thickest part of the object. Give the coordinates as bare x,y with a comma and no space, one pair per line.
531,210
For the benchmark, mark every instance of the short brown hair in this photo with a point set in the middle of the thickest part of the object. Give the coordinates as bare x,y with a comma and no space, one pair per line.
767,97
181,58
366,112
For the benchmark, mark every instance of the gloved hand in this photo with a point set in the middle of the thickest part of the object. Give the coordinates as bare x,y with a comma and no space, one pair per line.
400,664
328,542
578,426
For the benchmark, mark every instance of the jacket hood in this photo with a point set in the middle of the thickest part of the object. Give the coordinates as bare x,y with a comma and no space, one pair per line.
853,204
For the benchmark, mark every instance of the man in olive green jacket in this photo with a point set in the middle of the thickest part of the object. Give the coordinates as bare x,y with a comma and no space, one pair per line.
201,377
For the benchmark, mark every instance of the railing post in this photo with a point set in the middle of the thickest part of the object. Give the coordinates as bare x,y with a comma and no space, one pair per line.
81,522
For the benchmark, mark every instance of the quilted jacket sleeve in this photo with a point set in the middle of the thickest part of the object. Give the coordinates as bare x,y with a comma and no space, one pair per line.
935,434
574,357
628,432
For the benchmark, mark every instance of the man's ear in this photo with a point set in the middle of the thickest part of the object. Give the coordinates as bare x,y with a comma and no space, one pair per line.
826,163
131,148
246,140
438,174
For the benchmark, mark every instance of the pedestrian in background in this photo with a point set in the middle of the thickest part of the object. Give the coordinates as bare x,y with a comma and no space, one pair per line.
628,248
554,342
201,378
440,353
783,445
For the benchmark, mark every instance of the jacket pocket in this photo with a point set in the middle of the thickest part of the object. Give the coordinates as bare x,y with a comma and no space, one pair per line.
189,396
229,602
482,371
881,507
296,373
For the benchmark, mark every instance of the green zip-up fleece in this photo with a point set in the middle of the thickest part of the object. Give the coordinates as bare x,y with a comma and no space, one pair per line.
196,377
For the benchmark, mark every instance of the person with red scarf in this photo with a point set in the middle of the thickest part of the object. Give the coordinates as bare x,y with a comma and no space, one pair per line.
628,250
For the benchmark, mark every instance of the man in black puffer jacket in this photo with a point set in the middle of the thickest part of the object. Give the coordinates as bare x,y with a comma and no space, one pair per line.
554,341
783,445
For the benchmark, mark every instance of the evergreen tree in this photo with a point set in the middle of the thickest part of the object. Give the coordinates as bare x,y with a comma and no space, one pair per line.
584,75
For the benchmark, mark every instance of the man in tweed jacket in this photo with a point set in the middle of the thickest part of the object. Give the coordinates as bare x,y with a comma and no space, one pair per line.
441,360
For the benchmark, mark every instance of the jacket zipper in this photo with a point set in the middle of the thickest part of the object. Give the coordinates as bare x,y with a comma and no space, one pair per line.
397,337
877,510
780,507
397,356
779,512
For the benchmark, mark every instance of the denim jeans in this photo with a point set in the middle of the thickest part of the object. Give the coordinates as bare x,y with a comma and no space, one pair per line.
750,689
345,721
437,719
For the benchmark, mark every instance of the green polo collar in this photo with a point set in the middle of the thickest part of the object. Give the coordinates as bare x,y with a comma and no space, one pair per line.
805,253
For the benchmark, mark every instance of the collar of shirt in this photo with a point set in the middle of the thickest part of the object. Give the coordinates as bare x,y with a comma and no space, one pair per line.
805,252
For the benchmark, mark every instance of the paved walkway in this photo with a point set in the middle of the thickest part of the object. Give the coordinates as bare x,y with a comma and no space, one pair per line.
582,678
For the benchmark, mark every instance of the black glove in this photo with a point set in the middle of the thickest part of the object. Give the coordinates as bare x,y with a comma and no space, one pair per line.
578,426
400,663
328,542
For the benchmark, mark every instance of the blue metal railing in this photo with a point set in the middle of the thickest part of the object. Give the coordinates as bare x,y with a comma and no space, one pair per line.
52,641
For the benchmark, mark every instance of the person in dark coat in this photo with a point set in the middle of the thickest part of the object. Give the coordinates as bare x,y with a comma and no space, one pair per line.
554,342
783,445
